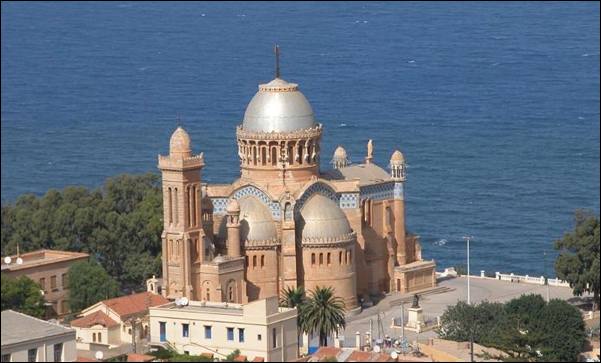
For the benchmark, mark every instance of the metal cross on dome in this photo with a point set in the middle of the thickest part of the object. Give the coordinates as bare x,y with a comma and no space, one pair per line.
278,53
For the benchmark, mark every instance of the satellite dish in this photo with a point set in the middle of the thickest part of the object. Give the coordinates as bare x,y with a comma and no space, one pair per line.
8,260
99,355
19,261
178,301
377,349
184,301
394,355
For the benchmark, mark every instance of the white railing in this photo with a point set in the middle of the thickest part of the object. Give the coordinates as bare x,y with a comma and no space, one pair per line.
530,280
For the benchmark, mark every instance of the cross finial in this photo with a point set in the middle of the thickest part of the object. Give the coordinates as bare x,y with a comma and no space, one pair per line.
278,53
179,120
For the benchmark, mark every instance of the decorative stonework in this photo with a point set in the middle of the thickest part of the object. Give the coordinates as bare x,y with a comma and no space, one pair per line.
330,242
269,244
280,136
220,204
349,201
378,192
316,188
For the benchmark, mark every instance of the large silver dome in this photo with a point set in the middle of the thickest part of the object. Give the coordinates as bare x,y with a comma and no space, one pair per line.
278,107
322,218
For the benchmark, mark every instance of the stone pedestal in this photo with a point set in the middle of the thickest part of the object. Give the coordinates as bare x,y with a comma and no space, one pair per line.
416,319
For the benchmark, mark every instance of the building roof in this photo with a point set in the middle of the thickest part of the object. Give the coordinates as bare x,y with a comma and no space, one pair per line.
40,258
323,219
180,144
129,305
366,173
278,107
97,318
131,357
19,328
349,355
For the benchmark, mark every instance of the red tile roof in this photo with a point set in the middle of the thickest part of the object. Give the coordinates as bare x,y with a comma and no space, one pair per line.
84,359
240,358
259,359
134,304
97,318
131,357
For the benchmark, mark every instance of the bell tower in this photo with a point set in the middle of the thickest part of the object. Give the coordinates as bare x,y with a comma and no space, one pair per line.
182,239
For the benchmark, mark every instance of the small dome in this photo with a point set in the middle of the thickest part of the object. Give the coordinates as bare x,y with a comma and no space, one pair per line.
256,221
397,156
232,207
278,107
322,218
340,153
180,145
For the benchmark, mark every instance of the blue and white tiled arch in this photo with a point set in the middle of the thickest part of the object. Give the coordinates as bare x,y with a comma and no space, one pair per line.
220,204
317,188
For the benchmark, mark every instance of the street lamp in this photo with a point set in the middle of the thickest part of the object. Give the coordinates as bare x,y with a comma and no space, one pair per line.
468,238
546,277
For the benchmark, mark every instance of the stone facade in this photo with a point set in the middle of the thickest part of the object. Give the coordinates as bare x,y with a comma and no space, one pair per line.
285,222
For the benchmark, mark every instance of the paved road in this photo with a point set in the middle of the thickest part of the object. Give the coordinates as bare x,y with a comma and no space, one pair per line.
433,306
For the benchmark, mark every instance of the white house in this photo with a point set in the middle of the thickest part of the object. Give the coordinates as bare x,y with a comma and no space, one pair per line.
27,339
111,323
261,330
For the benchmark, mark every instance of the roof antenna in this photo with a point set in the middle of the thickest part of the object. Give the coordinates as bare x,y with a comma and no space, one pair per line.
278,53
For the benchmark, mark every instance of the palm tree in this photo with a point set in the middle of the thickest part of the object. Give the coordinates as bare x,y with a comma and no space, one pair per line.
323,313
294,298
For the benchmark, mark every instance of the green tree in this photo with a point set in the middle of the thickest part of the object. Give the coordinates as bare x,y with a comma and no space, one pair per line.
578,264
113,223
565,330
88,284
323,313
294,298
23,295
525,329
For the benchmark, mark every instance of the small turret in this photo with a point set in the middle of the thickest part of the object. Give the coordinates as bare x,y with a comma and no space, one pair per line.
397,166
340,159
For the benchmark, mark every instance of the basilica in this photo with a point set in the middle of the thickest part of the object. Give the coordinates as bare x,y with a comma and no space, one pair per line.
286,222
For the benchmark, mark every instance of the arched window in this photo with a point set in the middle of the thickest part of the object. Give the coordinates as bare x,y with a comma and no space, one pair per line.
129,331
340,258
231,293
264,156
99,337
254,155
350,257
329,259
312,259
262,261
389,217
188,220
300,153
254,261
94,337
320,259
170,206
176,207
274,156
346,258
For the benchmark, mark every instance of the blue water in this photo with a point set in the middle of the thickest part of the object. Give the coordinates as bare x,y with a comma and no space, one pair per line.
495,105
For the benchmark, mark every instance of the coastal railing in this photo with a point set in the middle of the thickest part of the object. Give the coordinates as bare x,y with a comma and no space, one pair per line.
530,280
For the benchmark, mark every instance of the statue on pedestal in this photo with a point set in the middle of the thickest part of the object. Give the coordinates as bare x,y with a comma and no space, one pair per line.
415,302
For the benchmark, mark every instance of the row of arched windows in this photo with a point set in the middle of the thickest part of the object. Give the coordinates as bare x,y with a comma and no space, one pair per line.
344,258
191,213
257,261
97,338
268,154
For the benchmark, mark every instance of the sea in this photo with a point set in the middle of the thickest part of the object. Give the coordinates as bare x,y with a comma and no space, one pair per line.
495,105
